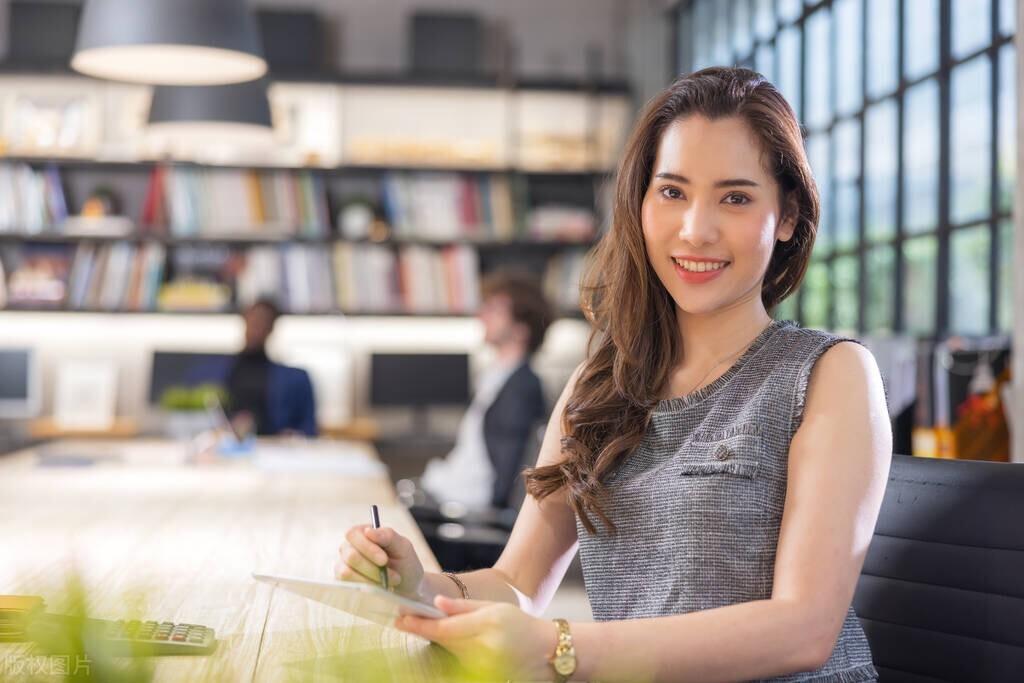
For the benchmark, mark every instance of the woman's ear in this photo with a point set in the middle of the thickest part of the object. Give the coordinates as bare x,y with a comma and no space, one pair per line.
786,227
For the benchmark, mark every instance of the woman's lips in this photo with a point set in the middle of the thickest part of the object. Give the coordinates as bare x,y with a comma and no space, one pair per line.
690,277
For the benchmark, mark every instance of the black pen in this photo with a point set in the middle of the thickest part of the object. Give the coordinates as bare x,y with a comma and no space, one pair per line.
375,520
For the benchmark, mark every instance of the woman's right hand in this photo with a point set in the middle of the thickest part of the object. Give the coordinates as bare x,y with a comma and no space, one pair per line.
365,550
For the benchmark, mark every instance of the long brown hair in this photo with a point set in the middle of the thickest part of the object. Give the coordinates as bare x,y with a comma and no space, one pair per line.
635,342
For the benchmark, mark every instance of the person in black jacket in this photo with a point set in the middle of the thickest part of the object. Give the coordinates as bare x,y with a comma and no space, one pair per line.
508,403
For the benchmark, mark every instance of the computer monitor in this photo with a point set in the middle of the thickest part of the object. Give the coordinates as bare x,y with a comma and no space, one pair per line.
419,379
19,384
181,368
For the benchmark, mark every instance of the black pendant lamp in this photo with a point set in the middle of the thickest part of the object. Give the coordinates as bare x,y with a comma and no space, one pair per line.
169,42
238,112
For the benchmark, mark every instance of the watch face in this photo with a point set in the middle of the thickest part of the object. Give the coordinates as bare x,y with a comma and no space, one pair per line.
565,664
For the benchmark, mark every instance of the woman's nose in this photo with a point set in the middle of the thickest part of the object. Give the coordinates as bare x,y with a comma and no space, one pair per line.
699,225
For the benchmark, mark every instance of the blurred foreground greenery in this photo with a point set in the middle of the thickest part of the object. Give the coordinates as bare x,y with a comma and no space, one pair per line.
67,645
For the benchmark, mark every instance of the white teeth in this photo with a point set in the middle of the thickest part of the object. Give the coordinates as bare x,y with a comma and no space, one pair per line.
699,266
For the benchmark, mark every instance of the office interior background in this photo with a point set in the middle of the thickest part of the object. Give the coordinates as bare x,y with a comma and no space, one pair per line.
408,148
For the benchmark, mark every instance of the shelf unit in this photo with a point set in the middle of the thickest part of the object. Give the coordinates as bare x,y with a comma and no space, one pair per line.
524,156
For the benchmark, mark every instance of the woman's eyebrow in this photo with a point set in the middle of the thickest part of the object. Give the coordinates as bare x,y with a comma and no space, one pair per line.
728,182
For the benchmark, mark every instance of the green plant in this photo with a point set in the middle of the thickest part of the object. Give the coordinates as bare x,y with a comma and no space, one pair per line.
191,399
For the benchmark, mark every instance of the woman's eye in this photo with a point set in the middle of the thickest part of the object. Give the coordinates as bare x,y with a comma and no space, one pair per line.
671,193
735,199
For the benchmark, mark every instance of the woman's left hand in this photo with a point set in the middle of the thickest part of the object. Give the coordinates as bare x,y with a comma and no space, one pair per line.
493,637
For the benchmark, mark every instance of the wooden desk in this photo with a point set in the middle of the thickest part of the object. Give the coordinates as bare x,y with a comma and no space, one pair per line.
154,537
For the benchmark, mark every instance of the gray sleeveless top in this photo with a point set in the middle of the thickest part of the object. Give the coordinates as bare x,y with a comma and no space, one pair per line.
698,504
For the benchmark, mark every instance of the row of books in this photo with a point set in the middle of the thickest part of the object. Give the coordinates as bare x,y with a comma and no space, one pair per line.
562,279
195,202
184,201
411,279
30,200
118,276
297,276
461,206
354,277
447,206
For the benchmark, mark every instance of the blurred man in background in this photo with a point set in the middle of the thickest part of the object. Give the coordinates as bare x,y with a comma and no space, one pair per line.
508,401
263,395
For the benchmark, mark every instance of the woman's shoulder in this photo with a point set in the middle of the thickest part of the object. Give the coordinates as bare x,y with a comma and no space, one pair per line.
796,347
824,362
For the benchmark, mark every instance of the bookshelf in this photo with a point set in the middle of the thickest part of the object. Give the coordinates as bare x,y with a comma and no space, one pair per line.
424,239
343,216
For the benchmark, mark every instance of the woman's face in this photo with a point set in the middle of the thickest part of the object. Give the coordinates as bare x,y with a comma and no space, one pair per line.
711,214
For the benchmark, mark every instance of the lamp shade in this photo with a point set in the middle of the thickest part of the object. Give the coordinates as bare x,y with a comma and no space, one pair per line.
238,112
169,42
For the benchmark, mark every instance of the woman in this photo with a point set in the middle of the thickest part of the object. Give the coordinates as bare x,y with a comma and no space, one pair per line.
720,471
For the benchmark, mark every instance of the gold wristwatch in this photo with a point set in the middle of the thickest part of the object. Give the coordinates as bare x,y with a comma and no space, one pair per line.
564,659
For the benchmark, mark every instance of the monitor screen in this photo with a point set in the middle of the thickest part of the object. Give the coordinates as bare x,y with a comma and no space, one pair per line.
179,368
419,379
19,396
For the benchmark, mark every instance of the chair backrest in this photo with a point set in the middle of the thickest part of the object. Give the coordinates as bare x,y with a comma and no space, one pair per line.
518,493
941,595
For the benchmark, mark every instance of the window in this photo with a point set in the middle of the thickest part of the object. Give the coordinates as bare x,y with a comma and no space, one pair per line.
921,157
817,154
764,19
971,140
1007,145
787,66
881,281
908,108
1007,17
1005,314
819,109
973,22
815,293
844,276
742,40
920,38
847,15
919,306
846,212
883,19
880,172
789,10
969,300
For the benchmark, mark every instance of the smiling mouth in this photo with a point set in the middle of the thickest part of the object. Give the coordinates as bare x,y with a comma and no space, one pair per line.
699,266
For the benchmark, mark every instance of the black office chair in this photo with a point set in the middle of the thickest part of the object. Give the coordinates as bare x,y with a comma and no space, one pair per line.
941,596
472,539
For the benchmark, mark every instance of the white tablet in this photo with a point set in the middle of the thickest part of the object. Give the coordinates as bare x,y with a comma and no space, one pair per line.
361,599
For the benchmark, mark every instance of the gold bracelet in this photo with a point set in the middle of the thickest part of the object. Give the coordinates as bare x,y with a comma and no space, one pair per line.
458,582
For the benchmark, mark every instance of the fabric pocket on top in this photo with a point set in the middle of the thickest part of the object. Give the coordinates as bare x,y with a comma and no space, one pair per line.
737,454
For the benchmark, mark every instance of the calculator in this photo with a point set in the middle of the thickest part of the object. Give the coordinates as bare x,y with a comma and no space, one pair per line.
151,638
135,638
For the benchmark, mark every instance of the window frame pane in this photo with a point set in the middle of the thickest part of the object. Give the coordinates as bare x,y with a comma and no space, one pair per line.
970,182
